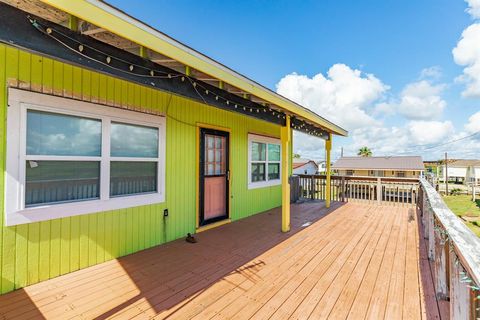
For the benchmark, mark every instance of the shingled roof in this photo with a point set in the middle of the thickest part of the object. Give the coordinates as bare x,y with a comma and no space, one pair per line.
380,163
464,163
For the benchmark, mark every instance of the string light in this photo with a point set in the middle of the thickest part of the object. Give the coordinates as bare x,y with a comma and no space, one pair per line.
300,125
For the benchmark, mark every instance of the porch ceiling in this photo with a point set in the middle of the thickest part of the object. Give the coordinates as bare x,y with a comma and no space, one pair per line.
112,26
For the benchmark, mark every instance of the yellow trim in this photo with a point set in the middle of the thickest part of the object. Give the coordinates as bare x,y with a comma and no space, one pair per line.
213,225
197,176
285,134
113,20
328,148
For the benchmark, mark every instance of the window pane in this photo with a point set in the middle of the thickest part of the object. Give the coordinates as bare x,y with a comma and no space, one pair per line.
258,151
273,171
61,181
62,135
127,140
128,177
273,152
258,172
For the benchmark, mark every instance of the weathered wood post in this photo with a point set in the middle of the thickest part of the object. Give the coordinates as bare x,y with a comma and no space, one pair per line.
342,187
379,190
431,235
460,297
441,251
312,187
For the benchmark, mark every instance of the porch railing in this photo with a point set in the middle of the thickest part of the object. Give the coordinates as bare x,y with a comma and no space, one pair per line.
364,189
454,251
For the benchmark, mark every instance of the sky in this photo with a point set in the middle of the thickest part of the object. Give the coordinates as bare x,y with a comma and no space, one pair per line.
403,77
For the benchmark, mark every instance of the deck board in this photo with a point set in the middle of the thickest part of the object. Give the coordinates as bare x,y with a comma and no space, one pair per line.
354,260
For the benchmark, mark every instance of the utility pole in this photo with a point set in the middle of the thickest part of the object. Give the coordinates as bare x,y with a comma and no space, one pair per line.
341,153
446,173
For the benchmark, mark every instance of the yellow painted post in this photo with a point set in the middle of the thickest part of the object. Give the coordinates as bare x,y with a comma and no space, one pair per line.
143,52
285,135
328,148
188,71
73,23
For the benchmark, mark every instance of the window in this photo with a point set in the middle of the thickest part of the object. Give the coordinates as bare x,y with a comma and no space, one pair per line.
350,172
68,157
401,174
264,163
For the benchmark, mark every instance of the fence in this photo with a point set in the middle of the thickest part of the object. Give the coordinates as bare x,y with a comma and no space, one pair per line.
455,254
365,189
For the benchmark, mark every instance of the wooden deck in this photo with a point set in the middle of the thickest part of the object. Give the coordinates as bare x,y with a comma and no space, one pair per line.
354,261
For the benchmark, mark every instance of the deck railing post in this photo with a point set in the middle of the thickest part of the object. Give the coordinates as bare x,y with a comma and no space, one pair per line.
342,188
379,190
431,236
460,297
312,187
441,250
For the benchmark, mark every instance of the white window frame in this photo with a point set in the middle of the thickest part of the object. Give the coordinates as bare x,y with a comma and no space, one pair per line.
267,140
19,101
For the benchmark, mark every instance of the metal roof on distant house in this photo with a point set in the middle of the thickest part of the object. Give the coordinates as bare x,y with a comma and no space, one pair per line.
299,162
461,163
380,163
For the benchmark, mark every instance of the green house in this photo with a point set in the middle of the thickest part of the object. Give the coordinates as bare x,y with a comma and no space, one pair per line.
117,138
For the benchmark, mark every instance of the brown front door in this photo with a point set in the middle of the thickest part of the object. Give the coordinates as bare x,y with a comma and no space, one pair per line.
214,175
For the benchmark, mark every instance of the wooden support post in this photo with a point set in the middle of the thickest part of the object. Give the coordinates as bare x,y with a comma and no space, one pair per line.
73,23
312,187
285,136
446,174
431,235
342,188
328,148
379,190
143,52
460,297
441,251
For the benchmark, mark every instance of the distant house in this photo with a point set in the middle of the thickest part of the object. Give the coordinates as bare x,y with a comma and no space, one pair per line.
304,166
462,170
401,167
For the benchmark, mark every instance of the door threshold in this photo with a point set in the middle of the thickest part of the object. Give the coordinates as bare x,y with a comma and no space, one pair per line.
213,225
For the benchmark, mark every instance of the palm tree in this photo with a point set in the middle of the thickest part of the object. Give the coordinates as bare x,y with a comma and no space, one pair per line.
364,152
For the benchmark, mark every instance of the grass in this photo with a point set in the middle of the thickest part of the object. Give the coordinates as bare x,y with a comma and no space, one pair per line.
463,206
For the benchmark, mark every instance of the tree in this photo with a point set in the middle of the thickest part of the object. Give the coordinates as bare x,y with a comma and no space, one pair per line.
296,156
364,152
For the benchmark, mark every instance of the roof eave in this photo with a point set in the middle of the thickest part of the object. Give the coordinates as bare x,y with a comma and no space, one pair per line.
109,18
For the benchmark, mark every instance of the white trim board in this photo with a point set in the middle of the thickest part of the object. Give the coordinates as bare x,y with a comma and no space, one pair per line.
18,103
267,182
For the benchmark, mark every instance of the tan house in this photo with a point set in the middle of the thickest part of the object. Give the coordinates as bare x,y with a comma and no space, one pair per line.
400,167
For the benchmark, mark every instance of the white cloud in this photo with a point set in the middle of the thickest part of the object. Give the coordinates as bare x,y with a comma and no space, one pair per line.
473,124
343,96
432,73
429,132
467,54
473,8
419,100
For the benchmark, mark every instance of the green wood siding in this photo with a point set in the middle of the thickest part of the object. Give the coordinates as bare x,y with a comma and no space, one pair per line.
38,251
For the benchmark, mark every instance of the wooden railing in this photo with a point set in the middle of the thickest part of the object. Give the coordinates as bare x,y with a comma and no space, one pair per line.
455,253
365,189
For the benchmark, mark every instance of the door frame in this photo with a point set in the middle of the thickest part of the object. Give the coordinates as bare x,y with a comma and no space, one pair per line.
198,192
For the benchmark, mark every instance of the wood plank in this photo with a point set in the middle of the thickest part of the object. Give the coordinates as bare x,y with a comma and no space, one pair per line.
367,267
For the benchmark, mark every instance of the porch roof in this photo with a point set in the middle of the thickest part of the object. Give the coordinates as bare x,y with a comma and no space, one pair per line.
110,19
